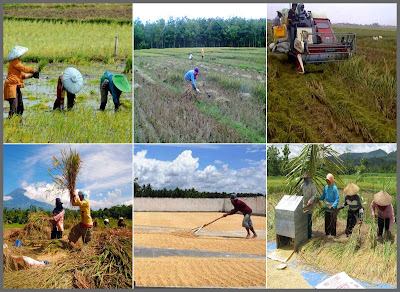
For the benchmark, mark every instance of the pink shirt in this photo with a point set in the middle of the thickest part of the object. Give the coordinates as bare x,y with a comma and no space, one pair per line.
59,218
387,213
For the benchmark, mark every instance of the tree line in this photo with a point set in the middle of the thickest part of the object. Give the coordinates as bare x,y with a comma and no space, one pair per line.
200,32
21,216
148,191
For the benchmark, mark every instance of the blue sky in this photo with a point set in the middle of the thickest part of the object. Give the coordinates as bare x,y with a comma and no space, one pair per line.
106,174
211,167
359,13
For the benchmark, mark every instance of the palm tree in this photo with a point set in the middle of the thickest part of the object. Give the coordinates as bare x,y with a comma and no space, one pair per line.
319,160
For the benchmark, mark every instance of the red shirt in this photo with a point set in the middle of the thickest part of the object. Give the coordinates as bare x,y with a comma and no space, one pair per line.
242,207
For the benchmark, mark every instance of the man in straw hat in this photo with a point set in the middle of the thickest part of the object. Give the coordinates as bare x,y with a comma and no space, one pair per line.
70,81
309,192
383,203
356,210
84,228
14,81
115,84
331,197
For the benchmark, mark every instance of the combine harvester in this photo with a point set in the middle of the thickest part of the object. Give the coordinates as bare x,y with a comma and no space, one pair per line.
315,41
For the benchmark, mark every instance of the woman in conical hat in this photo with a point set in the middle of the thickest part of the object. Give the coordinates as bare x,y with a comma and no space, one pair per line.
356,210
383,203
14,81
71,82
115,84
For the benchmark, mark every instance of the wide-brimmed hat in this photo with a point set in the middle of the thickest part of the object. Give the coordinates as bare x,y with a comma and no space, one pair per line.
306,174
234,197
383,198
351,189
16,52
121,83
72,80
121,218
330,177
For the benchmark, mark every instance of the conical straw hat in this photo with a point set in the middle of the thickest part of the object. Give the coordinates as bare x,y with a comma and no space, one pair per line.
351,189
16,52
383,198
306,174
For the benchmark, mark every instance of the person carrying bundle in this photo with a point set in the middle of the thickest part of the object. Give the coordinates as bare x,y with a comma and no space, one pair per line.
383,203
14,81
356,210
84,228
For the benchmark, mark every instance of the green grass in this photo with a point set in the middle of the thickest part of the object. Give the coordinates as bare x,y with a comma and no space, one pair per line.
351,101
80,125
229,108
13,225
68,42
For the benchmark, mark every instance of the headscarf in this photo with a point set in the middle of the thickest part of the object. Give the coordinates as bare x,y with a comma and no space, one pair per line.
58,207
329,177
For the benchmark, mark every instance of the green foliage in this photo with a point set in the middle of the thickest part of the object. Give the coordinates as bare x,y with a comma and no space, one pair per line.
128,66
200,32
319,160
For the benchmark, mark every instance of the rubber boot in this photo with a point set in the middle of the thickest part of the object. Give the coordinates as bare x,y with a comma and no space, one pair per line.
117,104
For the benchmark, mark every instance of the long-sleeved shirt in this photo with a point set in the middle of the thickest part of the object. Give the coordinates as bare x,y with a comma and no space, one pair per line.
115,92
309,192
331,197
189,76
61,90
354,203
242,207
59,219
292,18
14,78
84,207
387,213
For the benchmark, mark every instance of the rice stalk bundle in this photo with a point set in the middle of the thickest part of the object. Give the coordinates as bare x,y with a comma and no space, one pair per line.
65,171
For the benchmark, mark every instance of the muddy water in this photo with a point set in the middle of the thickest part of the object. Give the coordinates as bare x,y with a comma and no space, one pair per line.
43,91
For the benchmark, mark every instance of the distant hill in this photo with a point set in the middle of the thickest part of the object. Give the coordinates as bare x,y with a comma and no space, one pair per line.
375,158
19,200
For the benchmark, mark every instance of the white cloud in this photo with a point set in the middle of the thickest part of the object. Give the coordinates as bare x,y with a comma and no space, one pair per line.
7,198
218,162
184,172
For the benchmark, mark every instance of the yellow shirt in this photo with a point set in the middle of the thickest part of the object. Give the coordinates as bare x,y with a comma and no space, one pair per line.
84,207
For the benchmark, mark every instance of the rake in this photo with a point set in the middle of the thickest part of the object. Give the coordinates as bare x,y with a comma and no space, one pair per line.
197,229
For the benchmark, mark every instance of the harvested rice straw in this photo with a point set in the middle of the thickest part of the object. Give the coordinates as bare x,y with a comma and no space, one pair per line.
65,171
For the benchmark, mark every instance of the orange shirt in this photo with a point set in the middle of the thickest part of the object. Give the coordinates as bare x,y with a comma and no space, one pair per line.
202,53
14,78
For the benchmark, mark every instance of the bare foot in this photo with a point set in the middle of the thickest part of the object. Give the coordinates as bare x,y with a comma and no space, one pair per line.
254,235
248,236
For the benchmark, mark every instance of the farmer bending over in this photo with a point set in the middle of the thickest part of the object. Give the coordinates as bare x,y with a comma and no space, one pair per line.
69,81
191,76
84,228
356,210
115,84
331,197
14,81
246,211
383,202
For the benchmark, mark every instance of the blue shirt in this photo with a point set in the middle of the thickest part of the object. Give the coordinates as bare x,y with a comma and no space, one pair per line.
331,197
189,76
115,92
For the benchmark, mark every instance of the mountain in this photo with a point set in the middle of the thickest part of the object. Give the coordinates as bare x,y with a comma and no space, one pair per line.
375,158
19,200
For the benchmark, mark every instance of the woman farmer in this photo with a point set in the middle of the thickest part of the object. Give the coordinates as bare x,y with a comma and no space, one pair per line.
57,219
191,76
309,192
356,210
69,81
383,203
14,81
331,197
115,84
84,228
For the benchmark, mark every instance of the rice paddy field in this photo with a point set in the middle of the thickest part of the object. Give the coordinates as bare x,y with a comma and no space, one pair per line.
230,107
351,101
103,263
58,35
372,261
167,254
